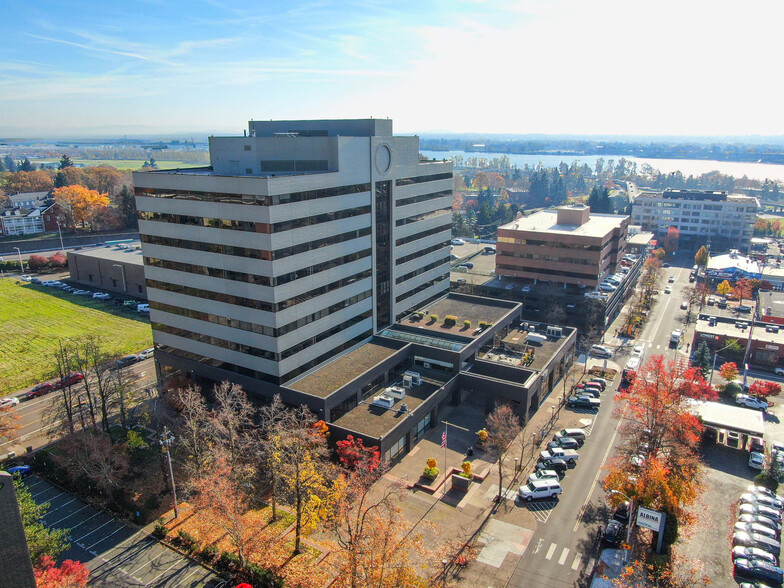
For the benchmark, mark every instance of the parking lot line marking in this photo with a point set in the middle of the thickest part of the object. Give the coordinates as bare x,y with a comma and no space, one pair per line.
62,505
550,551
576,561
34,496
196,571
107,536
34,484
564,554
148,562
70,515
179,561
84,521
94,530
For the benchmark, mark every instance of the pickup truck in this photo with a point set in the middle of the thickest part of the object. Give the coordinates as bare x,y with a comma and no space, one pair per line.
568,455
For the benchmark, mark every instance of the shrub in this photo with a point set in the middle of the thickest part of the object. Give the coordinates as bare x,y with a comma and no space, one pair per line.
431,471
433,318
431,462
227,561
466,473
481,435
450,320
467,324
484,324
37,262
208,552
188,541
160,531
765,479
258,576
58,260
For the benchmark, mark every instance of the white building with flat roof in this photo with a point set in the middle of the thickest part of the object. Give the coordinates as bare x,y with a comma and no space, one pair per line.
298,243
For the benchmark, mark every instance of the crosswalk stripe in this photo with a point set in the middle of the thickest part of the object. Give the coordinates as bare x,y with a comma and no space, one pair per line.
550,551
564,553
576,561
589,566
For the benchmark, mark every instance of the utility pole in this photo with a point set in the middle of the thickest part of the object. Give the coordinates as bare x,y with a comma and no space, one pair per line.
166,441
21,263
59,230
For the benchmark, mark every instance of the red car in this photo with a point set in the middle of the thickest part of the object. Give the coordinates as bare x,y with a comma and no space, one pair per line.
70,380
40,390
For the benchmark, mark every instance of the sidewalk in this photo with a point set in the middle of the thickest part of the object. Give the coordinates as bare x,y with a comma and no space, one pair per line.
450,516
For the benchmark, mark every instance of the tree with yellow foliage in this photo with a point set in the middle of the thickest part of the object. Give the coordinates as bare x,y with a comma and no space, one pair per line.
79,204
724,288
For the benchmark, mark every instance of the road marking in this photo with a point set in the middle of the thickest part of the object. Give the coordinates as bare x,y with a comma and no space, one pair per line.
84,521
107,536
179,561
576,562
70,515
564,554
62,506
93,531
550,551
538,545
599,471
589,566
147,563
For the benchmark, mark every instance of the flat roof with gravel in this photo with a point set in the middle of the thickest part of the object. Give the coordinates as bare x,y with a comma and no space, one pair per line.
546,221
339,372
131,255
465,310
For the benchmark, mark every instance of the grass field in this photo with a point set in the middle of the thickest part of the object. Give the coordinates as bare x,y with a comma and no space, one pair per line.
132,164
33,318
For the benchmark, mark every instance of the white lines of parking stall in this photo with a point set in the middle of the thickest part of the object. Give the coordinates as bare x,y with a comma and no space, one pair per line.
542,510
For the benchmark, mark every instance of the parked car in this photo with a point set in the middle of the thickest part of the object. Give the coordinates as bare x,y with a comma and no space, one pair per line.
744,308
466,265
600,351
755,540
757,569
21,471
779,371
760,511
584,402
757,498
578,434
101,296
684,305
668,290
751,402
614,533
540,489
36,281
671,279
756,460
622,513
40,390
8,401
555,464
600,383
590,392
129,303
604,287
27,278
748,518
544,475
753,552
458,242
756,528
142,308
126,361
146,354
70,380
762,490
564,443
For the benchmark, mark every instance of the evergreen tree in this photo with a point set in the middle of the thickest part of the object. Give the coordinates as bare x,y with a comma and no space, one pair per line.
605,203
65,161
26,166
702,359
60,180
2,166
540,189
10,164
128,206
593,199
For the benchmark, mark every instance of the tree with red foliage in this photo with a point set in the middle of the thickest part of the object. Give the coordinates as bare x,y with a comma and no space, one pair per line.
658,465
742,289
353,454
764,389
57,260
37,262
70,574
671,239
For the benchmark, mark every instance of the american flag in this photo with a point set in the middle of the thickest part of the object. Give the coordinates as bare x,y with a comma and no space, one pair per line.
443,438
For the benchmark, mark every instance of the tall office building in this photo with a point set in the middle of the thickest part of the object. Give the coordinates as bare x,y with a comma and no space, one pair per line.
299,242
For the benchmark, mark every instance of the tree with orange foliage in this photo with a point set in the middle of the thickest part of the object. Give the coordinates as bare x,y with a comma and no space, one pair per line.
23,181
9,424
658,465
480,181
79,204
729,371
743,289
496,180
70,574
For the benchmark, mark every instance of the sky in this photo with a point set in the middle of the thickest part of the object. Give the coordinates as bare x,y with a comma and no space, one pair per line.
624,67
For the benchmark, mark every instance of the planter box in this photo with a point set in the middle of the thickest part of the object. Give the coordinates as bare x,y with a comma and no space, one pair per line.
460,483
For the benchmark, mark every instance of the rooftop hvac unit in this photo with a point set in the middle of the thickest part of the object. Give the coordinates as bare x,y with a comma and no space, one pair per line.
404,407
416,378
395,392
383,401
536,338
407,381
554,331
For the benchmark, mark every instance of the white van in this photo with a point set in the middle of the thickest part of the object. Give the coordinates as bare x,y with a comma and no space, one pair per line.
600,351
142,308
540,489
578,434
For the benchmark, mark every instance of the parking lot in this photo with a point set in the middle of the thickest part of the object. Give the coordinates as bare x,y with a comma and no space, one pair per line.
116,553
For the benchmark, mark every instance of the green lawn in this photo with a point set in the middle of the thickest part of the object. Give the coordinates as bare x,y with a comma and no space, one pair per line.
33,318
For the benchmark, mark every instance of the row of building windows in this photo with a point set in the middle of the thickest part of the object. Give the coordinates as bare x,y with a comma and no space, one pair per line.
254,198
423,234
422,252
257,304
424,216
421,179
421,270
545,271
257,351
246,252
256,279
554,244
256,328
556,258
422,197
259,375
418,289
253,227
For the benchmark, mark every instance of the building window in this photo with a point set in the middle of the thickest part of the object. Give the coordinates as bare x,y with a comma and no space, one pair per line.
114,283
248,171
383,253
140,288
247,147
397,449
422,427
90,277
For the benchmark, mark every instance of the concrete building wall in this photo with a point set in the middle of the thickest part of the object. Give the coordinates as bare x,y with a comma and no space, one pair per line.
105,275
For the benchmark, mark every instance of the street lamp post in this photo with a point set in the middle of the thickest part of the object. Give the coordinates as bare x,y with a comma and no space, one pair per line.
631,509
60,231
166,441
21,263
122,270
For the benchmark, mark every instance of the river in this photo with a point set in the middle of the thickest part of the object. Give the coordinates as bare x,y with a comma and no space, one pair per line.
688,167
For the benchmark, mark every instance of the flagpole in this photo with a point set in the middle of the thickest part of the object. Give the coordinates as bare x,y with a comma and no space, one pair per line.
446,428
